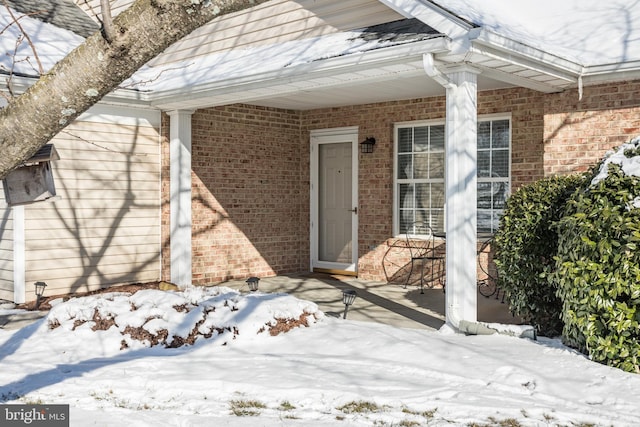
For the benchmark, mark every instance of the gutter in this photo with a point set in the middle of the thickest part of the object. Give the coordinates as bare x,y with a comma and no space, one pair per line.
493,45
610,73
524,55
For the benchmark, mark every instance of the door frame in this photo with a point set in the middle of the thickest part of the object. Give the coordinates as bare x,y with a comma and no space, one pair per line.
333,136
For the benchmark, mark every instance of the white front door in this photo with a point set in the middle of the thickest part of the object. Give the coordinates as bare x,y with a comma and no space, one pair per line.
334,200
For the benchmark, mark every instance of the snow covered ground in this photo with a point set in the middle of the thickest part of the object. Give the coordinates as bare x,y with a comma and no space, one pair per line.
333,372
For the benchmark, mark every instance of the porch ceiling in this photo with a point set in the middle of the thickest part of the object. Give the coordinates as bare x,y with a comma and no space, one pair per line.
356,87
360,79
419,86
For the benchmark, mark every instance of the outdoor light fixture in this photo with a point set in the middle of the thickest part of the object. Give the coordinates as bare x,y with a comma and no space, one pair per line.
39,292
366,146
252,282
348,297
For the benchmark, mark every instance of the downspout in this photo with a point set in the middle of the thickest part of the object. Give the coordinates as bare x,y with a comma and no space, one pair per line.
430,68
580,88
465,326
481,328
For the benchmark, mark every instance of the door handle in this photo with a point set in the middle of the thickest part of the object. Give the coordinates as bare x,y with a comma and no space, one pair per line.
354,210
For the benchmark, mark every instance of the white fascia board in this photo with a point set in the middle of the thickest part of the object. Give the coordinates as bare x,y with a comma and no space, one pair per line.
339,65
128,97
614,77
18,84
499,47
594,70
609,73
495,46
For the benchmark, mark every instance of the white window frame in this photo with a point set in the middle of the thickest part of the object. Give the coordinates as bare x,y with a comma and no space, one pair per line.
396,181
419,123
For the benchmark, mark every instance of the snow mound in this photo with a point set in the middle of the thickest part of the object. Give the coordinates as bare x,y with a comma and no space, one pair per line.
627,156
172,319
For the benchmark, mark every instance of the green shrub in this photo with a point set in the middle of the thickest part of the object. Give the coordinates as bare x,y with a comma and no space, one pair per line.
526,243
598,267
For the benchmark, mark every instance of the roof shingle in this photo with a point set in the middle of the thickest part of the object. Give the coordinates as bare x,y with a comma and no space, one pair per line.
61,13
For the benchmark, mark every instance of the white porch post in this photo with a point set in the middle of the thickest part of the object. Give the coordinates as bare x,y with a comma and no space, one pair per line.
19,262
180,193
461,194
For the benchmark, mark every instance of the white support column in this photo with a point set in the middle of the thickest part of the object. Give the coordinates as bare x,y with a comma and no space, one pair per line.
461,195
19,262
180,193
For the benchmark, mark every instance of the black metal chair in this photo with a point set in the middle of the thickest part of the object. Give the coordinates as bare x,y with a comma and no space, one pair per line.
423,248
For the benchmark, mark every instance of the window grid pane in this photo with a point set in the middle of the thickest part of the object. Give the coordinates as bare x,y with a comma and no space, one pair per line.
493,172
420,175
405,140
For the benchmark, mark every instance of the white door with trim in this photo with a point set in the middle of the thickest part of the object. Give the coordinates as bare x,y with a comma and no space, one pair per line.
334,196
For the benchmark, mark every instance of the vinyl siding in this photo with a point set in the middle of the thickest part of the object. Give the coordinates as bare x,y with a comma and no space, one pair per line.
92,7
277,21
104,226
272,22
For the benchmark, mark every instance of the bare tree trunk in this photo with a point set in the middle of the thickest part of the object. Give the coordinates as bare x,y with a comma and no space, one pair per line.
96,68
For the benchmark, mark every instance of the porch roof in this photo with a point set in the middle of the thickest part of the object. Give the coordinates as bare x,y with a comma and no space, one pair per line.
330,69
305,54
62,14
327,70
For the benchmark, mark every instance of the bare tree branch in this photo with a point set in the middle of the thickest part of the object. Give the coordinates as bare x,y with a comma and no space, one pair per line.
96,68
107,21
156,78
26,36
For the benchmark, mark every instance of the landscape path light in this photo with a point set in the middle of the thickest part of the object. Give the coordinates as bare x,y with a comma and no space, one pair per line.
39,292
348,297
252,282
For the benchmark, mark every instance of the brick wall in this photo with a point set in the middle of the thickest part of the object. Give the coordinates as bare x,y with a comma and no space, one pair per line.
578,132
527,129
380,258
246,208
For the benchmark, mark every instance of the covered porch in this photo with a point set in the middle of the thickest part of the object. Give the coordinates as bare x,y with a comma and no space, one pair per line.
409,72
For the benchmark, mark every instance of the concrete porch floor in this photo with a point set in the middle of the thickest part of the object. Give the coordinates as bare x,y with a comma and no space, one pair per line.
377,301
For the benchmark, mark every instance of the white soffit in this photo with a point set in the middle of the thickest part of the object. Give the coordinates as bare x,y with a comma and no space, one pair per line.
418,86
